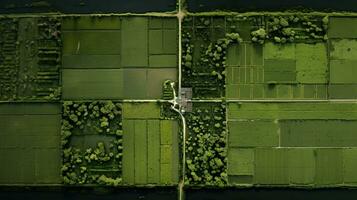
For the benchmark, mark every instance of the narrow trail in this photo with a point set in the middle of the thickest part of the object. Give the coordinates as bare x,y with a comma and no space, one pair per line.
176,104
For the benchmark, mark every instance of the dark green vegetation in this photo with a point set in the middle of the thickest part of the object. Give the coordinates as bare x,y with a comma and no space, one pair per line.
30,58
110,144
204,48
291,28
206,149
273,57
287,59
276,57
269,56
92,143
95,58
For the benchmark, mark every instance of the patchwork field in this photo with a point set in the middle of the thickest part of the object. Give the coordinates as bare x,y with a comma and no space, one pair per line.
214,100
118,57
298,144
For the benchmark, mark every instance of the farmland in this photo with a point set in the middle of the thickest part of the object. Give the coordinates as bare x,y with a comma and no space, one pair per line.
179,100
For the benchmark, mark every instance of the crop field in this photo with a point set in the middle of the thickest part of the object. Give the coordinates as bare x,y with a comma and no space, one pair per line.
185,100
118,57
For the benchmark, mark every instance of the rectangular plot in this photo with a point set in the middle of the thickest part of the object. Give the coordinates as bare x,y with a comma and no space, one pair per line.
232,92
279,77
30,108
284,91
254,55
22,136
245,91
279,65
279,71
279,51
28,169
135,83
236,75
343,49
135,41
349,166
311,63
253,133
240,161
162,23
13,171
249,74
140,152
163,61
271,166
342,91
170,41
128,151
166,129
91,42
48,165
236,55
30,125
166,154
141,110
92,84
153,151
155,23
240,180
258,91
321,91
156,42
240,75
292,111
338,27
301,166
297,91
170,23
163,41
91,61
18,168
257,74
91,22
298,133
10,141
175,153
329,168
343,71
43,141
165,174
318,133
309,91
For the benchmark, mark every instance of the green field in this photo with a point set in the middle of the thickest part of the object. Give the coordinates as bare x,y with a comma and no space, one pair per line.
30,150
118,57
266,99
152,144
